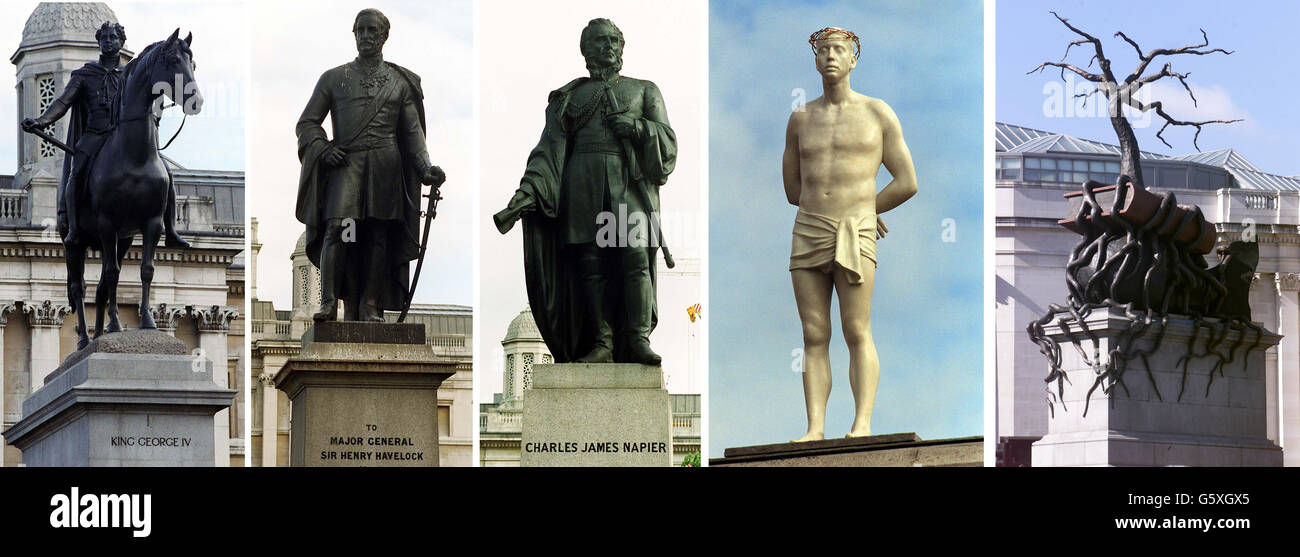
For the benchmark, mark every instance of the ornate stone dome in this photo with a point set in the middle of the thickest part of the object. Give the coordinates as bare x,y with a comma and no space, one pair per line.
523,328
301,246
65,21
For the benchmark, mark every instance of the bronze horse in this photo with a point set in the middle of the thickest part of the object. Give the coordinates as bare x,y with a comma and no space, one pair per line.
127,182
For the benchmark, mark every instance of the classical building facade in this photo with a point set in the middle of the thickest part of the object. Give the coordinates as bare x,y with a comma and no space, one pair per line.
501,420
1034,168
198,293
276,336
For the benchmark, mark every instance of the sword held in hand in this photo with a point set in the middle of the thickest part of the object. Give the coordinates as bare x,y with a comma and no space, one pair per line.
430,213
634,174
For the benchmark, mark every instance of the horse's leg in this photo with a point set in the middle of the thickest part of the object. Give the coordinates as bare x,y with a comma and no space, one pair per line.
75,255
123,246
108,275
151,233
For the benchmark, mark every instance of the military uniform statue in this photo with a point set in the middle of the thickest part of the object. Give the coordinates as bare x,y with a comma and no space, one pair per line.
359,192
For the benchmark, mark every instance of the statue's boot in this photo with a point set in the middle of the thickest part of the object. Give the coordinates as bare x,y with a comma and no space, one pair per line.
68,209
174,240
330,277
376,263
639,299
329,310
171,238
74,232
603,349
73,237
370,311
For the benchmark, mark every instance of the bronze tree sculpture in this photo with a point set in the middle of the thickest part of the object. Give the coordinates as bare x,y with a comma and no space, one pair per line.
1141,252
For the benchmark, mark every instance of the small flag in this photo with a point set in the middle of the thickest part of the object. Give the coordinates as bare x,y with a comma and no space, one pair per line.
695,311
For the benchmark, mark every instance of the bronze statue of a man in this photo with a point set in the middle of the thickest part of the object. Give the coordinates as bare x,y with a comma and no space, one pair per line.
90,96
834,146
606,149
359,193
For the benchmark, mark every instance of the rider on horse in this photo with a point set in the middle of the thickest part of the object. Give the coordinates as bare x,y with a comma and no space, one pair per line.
91,96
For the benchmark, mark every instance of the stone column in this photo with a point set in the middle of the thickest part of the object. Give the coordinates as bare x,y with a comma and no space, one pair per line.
46,319
5,310
167,317
270,420
1288,364
213,323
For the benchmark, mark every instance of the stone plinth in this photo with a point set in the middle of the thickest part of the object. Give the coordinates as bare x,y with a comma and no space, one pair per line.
364,394
1145,422
135,398
596,415
894,449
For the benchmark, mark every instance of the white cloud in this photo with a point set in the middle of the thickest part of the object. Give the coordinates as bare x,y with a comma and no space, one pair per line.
1212,101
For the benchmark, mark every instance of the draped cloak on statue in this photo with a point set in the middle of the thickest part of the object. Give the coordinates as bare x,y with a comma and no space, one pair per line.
550,270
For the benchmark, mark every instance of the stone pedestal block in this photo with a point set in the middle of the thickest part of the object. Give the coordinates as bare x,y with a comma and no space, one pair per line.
596,415
1144,421
134,398
891,449
364,394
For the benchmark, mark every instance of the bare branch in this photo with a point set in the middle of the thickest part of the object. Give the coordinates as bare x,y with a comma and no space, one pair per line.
1088,76
1183,79
1121,35
1168,72
1100,57
1087,95
1171,121
1072,45
1076,43
1189,49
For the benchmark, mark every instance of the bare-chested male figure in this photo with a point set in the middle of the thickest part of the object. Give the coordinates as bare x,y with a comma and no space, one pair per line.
834,147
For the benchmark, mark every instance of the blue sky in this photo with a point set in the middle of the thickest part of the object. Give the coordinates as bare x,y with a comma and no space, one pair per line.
1256,82
926,60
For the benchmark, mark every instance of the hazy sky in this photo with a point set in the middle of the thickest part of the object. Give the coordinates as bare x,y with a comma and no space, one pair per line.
926,60
1256,82
291,48
212,140
530,49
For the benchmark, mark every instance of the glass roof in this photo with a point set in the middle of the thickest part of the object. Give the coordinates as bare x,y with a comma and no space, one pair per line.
1009,138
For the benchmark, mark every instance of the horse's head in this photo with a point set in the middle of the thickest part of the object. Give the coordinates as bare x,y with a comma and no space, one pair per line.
166,68
177,63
